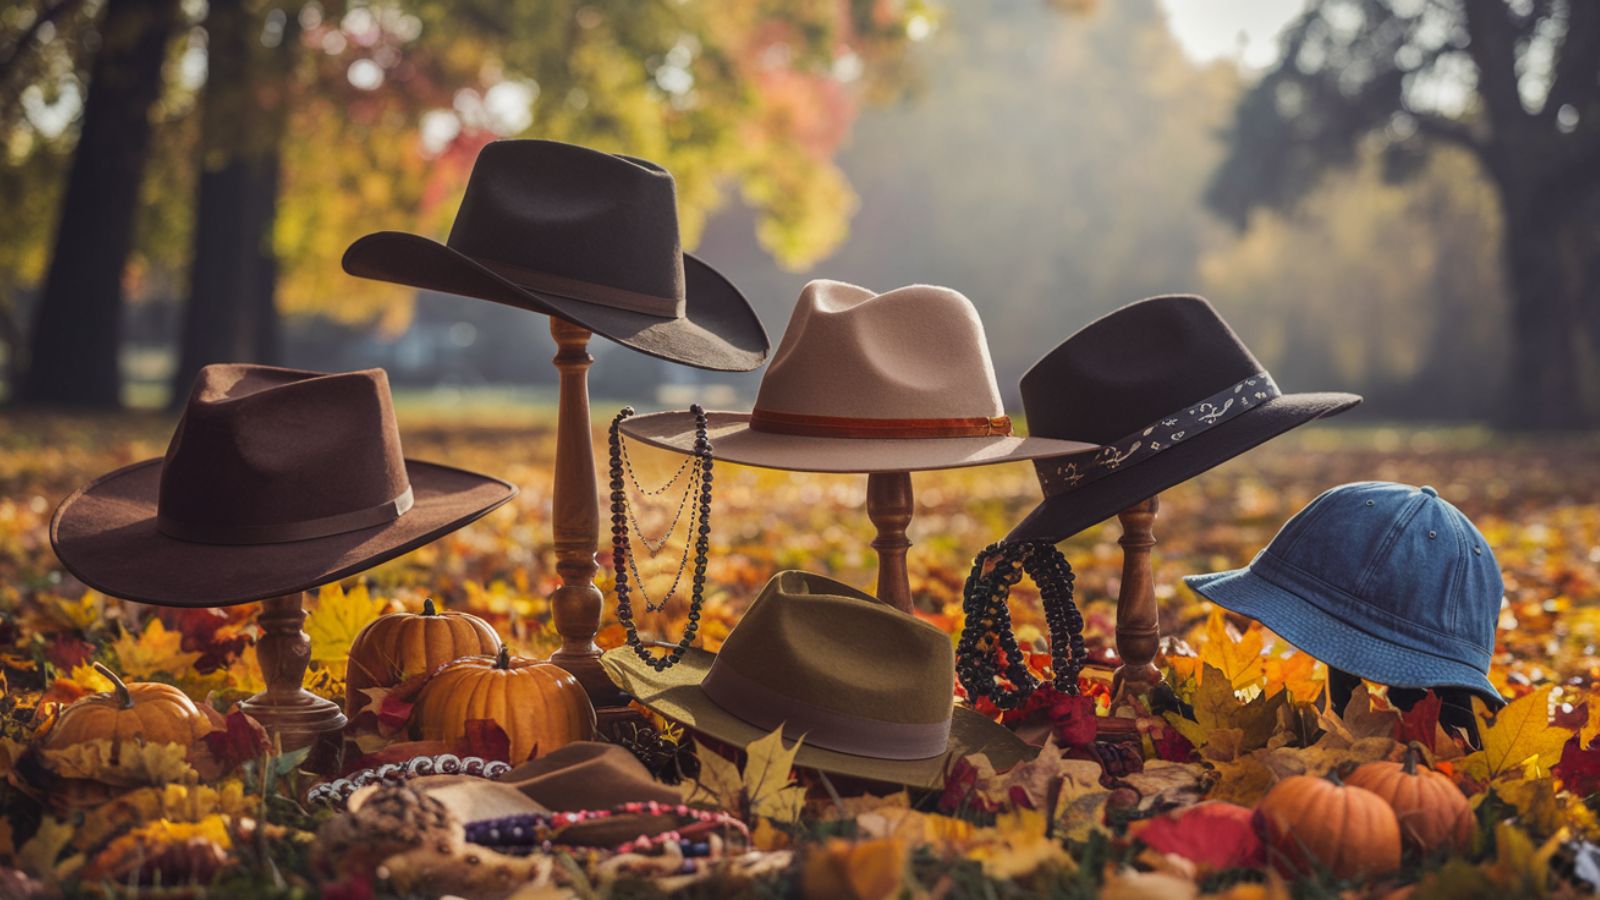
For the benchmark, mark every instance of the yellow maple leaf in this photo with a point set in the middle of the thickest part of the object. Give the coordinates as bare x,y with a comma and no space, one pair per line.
82,614
132,764
1017,845
333,625
1541,808
764,788
1298,673
1238,658
1520,732
768,786
154,651
1217,707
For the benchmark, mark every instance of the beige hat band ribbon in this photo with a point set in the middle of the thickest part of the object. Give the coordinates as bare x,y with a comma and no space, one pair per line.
285,532
828,729
802,425
586,291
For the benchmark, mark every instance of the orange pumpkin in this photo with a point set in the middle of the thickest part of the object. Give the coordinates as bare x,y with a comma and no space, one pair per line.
142,711
538,704
399,645
1306,822
1432,811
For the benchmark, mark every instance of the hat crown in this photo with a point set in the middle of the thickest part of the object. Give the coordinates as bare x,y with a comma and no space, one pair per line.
1132,367
828,646
569,211
917,352
260,451
1397,561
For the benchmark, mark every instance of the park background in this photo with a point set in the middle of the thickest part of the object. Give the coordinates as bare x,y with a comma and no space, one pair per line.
1399,198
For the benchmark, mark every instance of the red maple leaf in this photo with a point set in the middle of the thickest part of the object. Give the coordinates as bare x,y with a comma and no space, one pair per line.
1420,723
1172,746
1579,769
487,740
239,740
1213,835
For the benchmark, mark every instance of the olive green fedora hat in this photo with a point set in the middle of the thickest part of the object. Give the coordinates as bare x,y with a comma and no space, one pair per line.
870,689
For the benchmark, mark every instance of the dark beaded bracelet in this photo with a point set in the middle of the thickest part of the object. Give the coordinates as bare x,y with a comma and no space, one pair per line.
987,651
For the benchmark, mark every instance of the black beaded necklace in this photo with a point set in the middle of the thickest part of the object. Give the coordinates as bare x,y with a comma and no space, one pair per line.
986,635
622,518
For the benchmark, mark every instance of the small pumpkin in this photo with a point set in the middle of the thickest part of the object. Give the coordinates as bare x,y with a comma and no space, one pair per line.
145,711
396,646
540,705
1306,821
1432,811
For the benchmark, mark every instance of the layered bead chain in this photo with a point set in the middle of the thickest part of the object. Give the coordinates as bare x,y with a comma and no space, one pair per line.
697,488
988,650
528,832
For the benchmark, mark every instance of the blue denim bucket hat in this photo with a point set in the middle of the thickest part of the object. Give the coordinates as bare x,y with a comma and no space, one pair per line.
1386,581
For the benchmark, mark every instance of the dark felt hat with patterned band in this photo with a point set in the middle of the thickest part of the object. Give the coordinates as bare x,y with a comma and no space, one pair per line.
868,687
1169,391
584,236
276,481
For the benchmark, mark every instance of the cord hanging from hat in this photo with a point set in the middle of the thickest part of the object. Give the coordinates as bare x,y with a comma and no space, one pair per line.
697,487
988,647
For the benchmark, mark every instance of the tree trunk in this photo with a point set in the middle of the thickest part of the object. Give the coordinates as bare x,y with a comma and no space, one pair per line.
77,329
230,314
1549,259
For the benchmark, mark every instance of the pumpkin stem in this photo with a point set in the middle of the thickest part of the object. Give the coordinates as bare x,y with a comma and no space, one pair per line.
1414,755
503,661
124,698
428,609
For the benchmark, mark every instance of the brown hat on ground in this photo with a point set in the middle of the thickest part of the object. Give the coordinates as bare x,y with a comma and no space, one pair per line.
276,481
869,688
588,775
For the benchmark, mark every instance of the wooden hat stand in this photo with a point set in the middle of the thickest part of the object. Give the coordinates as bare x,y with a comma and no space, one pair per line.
576,603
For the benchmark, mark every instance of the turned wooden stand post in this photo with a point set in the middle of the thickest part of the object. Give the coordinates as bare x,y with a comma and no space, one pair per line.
293,715
575,503
1138,618
889,506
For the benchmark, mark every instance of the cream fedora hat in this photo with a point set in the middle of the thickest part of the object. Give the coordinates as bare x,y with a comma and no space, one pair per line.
866,382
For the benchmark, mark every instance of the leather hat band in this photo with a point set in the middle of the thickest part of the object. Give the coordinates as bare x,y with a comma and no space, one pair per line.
282,533
586,291
891,429
1064,474
828,729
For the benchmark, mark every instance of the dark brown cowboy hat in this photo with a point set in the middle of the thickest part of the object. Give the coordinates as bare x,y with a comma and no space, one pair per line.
870,689
588,775
276,481
1169,391
584,236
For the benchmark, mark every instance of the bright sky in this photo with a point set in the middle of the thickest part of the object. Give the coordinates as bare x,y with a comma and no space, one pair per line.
1212,29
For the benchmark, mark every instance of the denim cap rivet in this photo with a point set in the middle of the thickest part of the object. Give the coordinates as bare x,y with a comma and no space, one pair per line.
1383,591
1428,489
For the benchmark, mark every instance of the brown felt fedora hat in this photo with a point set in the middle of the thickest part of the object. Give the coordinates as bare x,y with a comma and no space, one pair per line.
1169,391
866,382
584,236
276,481
587,775
868,688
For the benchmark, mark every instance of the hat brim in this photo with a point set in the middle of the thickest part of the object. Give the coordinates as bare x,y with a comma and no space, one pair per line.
676,694
732,440
1339,643
717,331
106,535
1061,516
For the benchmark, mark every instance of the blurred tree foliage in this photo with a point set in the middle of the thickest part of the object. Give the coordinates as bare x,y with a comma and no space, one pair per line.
385,105
1514,84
